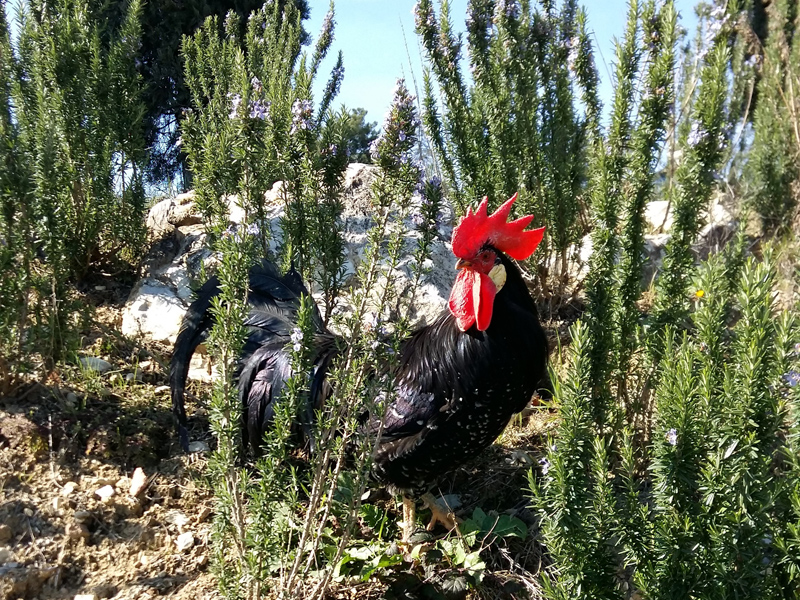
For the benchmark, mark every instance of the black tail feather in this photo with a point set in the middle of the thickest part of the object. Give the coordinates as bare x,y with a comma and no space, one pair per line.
274,301
194,330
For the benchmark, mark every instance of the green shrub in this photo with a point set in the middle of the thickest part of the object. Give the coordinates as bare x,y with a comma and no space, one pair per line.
254,123
773,159
73,160
514,127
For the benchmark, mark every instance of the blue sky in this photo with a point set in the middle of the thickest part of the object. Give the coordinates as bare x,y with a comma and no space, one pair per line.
379,44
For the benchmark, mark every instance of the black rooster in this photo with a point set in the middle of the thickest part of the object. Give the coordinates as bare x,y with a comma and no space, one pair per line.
459,380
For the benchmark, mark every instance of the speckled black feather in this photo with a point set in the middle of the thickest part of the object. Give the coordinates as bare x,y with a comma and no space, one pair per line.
456,391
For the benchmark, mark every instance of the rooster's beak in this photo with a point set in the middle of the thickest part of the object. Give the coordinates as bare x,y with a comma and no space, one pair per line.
462,264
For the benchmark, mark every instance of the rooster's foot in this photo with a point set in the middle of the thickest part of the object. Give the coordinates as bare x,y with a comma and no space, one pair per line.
439,515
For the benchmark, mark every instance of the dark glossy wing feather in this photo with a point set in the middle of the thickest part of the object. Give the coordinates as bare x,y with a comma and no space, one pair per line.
273,303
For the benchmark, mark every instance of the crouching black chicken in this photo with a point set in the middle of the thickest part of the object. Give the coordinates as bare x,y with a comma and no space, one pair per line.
458,382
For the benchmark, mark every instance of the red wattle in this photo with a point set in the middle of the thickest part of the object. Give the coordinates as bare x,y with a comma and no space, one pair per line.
460,303
471,300
484,292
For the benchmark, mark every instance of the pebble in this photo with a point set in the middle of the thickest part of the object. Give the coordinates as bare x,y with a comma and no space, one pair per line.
5,556
198,446
77,531
105,492
5,532
184,541
28,512
81,516
161,389
177,518
138,481
68,488
133,376
85,597
203,514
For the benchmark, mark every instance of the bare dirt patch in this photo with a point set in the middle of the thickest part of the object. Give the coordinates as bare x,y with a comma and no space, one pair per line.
70,443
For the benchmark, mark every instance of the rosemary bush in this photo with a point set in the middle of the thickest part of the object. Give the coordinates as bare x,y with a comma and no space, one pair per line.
773,158
73,161
512,125
254,122
672,473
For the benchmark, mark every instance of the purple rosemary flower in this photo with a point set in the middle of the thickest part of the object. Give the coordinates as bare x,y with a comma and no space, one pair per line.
792,378
256,83
672,436
253,229
259,109
374,149
751,62
236,101
421,18
418,220
696,135
573,48
297,339
506,9
327,25
545,465
301,115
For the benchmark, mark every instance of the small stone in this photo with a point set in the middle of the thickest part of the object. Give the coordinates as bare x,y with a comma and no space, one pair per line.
105,492
202,560
77,531
130,377
86,597
185,541
138,482
6,556
28,512
177,518
99,288
5,532
161,389
81,516
198,446
68,488
71,399
203,514
93,363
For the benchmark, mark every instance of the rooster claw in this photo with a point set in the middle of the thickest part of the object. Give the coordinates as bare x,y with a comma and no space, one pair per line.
439,515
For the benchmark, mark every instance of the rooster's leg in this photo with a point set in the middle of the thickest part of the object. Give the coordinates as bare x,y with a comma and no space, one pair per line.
445,517
409,516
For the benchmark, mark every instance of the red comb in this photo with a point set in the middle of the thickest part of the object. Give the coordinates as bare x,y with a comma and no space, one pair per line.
478,229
